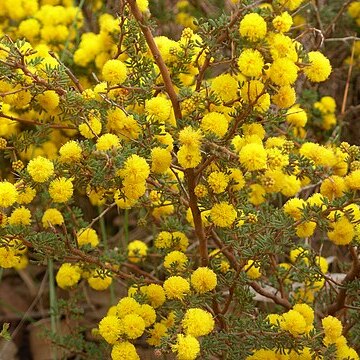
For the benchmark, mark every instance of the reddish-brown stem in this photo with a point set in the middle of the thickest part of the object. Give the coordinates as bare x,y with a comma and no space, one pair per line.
199,227
33,122
354,273
157,57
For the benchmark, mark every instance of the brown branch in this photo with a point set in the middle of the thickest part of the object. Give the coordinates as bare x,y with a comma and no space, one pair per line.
354,273
34,122
199,227
157,57
237,266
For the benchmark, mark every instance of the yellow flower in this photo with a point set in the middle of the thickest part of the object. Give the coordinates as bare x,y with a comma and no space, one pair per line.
25,195
70,152
308,313
190,137
197,322
90,129
61,190
147,313
285,97
283,72
155,294
225,87
114,71
257,194
68,275
296,116
253,157
342,231
175,260
251,63
143,5
218,181
133,326
156,333
203,280
253,27
332,328
215,123
293,322
189,157
160,160
52,217
110,328
319,68
8,194
333,187
137,251
48,100
127,305
87,236
40,169
8,257
158,109
107,141
20,216
283,22
293,207
353,180
223,214
252,270
186,347
124,350
237,181
176,287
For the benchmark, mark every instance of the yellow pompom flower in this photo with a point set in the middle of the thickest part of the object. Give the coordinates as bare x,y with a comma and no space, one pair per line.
203,280
156,333
201,191
294,207
176,287
353,180
8,194
332,328
40,169
135,170
155,294
285,97
123,125
190,137
20,216
175,260
252,270
293,322
251,63
308,313
126,306
68,275
87,236
52,217
147,313
225,87
283,72
26,195
253,157
133,326
114,71
158,109
290,4
143,5
215,123
90,129
342,232
124,350
305,229
333,187
48,100
189,157
108,141
61,190
160,160
70,152
282,22
253,27
137,251
218,181
296,116
187,347
197,322
110,328
237,181
319,68
257,194
223,214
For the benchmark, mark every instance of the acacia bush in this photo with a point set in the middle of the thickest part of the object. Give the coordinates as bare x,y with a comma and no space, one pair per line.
186,159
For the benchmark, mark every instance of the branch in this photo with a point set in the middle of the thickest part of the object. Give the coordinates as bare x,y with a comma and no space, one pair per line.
199,227
157,57
354,273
